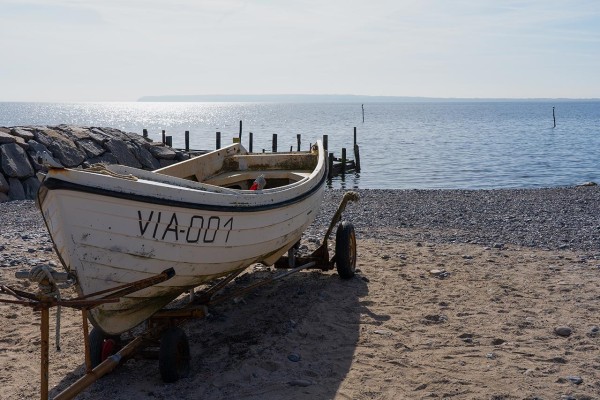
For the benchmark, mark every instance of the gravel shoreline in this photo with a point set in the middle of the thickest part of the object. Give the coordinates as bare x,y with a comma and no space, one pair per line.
554,218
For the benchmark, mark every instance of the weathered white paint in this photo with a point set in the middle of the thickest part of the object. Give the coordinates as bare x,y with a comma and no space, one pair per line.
108,241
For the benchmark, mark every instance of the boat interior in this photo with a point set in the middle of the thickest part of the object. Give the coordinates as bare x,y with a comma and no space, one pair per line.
233,168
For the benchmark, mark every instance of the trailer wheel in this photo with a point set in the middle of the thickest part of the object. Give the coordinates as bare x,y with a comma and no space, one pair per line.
345,250
101,346
174,355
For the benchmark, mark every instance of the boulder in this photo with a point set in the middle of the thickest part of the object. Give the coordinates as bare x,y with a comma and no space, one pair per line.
106,158
74,132
90,147
161,151
144,157
98,136
120,150
36,148
6,138
3,184
61,147
23,133
16,191
113,133
4,198
31,186
14,161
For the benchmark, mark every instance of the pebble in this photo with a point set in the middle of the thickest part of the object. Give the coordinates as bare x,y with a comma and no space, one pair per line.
594,331
294,357
563,331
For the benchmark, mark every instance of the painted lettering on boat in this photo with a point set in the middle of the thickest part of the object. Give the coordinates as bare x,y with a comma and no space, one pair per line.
194,229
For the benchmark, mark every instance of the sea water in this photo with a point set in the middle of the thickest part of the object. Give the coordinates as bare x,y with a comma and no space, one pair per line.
403,145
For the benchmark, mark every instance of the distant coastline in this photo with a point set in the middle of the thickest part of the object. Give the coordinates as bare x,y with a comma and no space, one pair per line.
331,98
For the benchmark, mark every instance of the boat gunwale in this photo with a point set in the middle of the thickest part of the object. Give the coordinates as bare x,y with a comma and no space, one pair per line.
238,205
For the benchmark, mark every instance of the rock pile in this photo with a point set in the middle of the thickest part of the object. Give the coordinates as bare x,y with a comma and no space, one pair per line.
71,147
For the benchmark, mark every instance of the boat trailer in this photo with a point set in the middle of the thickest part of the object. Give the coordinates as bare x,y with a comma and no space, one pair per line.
103,354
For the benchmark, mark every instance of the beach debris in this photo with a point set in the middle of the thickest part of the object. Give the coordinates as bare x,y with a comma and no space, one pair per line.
294,357
577,380
300,382
434,319
563,331
439,273
490,356
385,257
383,332
590,183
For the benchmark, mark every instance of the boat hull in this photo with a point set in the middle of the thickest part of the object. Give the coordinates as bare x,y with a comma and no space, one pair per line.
108,236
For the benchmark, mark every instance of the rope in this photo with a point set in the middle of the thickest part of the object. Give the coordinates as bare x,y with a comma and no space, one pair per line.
42,274
102,170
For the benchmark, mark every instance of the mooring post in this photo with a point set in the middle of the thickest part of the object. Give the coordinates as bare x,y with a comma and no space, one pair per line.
187,140
356,158
145,133
330,166
240,132
363,111
298,138
218,140
250,139
343,161
325,140
169,141
274,149
164,140
554,117
356,153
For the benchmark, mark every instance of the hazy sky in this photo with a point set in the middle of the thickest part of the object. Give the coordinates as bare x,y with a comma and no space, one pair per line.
120,50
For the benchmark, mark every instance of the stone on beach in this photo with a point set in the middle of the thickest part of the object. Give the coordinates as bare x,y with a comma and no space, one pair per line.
71,147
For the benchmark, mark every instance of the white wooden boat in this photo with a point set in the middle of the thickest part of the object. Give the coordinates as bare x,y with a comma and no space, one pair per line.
117,224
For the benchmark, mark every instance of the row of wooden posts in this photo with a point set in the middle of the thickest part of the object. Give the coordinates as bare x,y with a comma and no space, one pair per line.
336,166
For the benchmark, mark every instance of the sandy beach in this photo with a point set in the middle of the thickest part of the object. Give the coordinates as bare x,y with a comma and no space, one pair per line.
459,296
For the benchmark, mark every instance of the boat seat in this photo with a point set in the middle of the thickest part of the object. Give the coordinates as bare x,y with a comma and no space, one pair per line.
243,177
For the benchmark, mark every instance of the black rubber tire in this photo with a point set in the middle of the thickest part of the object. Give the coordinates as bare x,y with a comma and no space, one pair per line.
96,341
97,338
345,250
174,355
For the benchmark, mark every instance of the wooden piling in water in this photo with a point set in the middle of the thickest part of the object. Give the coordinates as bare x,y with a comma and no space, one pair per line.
187,140
250,139
218,140
298,138
356,153
330,166
325,142
274,147
145,133
169,141
554,117
240,132
343,161
164,139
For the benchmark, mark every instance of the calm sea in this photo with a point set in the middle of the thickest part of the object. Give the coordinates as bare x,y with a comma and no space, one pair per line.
454,144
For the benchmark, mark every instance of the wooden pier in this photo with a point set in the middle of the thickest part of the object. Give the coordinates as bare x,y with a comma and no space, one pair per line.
337,165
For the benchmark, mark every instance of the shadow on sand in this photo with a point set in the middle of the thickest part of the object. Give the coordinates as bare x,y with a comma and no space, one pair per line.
294,339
